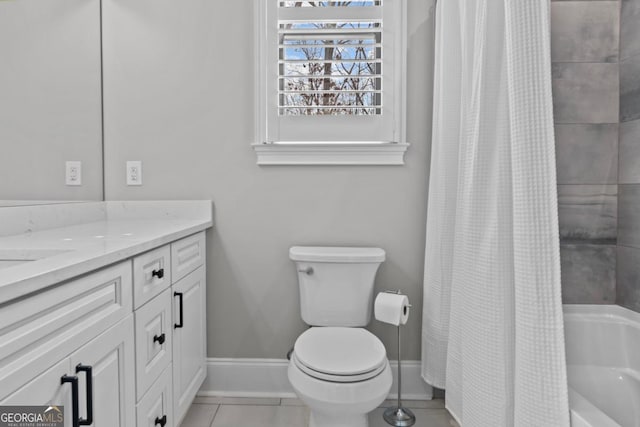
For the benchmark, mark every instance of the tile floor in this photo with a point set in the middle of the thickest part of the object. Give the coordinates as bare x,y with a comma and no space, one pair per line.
273,412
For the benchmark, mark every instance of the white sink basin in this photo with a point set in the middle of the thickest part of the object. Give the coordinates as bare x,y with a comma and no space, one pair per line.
13,257
4,263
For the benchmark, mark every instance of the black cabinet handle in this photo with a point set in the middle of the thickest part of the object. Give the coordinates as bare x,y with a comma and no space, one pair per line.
75,419
159,338
181,324
159,273
161,421
89,383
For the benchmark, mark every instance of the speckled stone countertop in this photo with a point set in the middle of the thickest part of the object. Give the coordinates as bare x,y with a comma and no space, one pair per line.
44,245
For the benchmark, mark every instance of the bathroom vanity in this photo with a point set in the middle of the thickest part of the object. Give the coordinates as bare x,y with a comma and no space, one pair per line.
102,309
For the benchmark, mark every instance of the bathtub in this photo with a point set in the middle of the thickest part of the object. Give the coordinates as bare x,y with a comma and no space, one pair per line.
603,365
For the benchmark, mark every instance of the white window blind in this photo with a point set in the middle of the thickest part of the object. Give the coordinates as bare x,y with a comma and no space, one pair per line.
330,58
331,71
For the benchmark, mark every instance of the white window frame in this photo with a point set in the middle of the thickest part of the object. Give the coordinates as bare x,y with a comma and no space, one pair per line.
335,146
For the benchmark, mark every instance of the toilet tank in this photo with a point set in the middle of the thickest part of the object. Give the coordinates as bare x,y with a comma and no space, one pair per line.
336,284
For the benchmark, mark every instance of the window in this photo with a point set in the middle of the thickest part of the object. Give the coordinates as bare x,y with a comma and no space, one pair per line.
329,67
331,82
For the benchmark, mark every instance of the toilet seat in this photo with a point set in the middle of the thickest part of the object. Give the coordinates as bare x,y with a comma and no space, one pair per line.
337,378
339,354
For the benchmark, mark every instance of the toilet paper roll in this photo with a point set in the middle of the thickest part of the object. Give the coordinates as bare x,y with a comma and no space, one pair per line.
391,308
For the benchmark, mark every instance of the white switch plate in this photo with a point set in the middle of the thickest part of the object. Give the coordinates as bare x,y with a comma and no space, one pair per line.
134,172
73,173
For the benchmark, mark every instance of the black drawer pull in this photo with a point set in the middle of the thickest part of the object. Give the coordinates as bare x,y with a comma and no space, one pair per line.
89,383
75,419
159,338
161,421
181,316
159,273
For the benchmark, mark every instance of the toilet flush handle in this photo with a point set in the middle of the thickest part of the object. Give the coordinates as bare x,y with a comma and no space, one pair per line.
306,270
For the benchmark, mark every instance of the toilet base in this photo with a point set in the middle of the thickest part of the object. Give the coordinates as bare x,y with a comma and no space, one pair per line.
345,404
318,419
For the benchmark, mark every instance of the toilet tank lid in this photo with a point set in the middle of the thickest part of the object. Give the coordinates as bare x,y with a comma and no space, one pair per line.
336,254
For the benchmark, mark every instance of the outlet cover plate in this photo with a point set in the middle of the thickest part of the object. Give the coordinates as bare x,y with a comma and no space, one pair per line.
134,172
73,172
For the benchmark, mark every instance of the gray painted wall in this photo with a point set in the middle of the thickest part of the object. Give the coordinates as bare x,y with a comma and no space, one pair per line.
171,104
50,107
629,197
585,54
179,96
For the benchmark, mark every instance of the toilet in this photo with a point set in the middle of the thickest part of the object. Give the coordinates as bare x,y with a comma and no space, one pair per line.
337,368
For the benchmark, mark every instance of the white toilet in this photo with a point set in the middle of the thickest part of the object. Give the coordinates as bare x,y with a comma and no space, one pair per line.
338,369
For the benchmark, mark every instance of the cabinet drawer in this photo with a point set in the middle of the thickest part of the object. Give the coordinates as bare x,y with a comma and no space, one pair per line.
187,255
151,274
157,403
153,341
40,330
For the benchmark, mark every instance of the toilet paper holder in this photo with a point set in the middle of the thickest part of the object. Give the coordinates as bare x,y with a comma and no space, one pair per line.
398,292
399,416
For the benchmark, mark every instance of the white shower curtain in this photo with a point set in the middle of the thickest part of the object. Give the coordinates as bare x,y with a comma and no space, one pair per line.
492,321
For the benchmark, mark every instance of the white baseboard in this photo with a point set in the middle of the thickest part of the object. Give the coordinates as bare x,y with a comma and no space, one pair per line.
268,378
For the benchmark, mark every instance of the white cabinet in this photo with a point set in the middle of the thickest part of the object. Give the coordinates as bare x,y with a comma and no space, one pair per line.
156,409
189,339
154,339
129,339
186,255
110,357
38,331
106,362
171,324
45,389
151,274
170,329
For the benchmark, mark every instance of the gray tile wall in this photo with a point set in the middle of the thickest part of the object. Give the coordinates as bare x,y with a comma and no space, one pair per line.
586,90
628,270
588,214
630,60
629,246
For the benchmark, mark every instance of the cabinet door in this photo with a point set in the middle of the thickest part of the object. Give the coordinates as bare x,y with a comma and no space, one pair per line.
46,389
189,340
111,357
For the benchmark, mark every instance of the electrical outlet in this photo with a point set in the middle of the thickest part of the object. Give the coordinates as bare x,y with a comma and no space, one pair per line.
73,174
134,172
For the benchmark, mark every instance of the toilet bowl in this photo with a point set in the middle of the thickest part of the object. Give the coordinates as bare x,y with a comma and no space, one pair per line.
341,374
337,368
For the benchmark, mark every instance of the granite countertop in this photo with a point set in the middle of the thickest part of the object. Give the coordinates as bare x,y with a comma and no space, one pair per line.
44,245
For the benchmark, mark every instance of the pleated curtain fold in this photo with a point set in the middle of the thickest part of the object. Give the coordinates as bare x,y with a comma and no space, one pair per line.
492,315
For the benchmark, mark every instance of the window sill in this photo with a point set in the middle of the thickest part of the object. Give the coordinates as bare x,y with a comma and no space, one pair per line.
331,153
